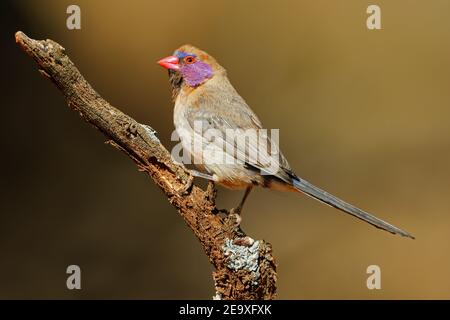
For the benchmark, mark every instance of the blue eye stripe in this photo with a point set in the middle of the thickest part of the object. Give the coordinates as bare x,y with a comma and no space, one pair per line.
182,55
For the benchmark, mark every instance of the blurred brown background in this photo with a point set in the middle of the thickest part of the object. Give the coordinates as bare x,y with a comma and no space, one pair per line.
363,114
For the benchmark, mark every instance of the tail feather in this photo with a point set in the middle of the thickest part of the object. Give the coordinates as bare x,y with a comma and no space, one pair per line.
318,194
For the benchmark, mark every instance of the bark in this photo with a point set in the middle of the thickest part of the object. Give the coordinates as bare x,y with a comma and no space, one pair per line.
244,268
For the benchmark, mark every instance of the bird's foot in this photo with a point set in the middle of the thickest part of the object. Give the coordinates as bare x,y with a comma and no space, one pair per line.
233,221
186,187
237,213
237,219
196,174
211,192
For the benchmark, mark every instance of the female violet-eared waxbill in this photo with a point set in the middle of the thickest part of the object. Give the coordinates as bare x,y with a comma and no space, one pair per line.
208,109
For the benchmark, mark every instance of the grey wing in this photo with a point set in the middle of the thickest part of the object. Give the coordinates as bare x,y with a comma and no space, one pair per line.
228,123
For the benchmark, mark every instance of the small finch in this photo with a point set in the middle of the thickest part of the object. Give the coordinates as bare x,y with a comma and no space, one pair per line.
206,103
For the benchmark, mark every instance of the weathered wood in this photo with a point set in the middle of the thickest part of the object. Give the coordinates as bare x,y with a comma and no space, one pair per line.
243,269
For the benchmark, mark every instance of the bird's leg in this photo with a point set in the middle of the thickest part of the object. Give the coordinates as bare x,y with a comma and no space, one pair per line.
236,212
238,209
199,174
234,219
211,189
190,182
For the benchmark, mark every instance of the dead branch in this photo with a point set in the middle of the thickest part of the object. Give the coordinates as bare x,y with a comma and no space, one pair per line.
242,270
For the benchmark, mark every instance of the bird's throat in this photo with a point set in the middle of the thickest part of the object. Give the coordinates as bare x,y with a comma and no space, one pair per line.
176,82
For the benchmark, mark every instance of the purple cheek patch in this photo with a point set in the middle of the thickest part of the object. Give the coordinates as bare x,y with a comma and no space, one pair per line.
196,73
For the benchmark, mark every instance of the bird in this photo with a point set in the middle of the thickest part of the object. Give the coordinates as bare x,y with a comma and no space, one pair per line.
207,107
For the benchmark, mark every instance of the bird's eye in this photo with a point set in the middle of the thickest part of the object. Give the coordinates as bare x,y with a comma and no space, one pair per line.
189,59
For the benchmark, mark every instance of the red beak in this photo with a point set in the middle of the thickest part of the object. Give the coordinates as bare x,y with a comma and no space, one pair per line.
170,62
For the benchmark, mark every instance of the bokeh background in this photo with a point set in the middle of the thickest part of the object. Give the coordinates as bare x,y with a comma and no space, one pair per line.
363,114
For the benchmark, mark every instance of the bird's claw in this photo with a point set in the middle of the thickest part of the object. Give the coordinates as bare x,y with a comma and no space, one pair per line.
236,213
211,191
233,224
186,187
234,219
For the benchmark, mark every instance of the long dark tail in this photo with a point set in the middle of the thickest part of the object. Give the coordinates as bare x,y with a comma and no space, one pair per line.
318,194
